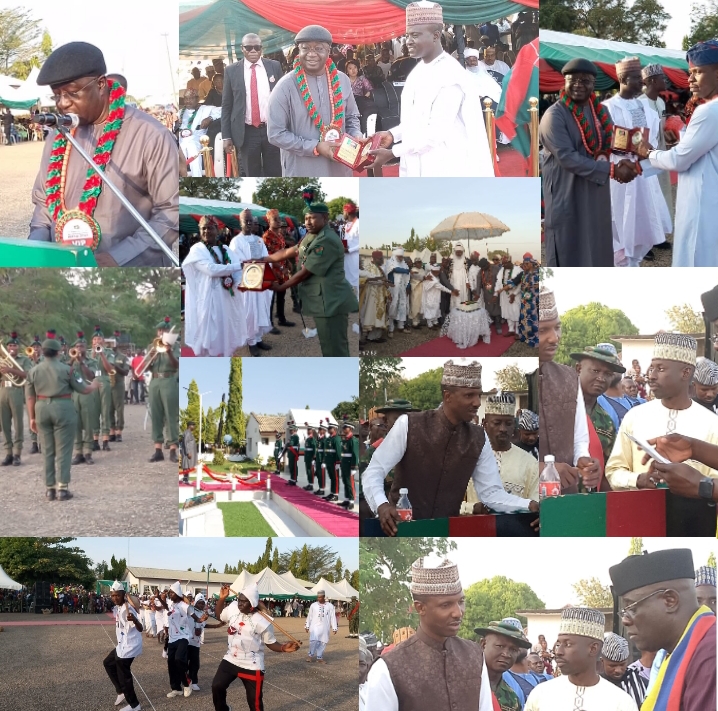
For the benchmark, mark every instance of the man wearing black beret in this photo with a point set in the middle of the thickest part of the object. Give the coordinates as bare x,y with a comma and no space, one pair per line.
139,155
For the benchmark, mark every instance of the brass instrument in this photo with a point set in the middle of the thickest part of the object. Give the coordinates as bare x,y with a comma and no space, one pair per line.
7,361
98,349
158,346
29,351
232,163
74,353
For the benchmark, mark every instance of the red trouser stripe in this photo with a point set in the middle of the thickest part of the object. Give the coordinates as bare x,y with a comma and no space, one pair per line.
257,678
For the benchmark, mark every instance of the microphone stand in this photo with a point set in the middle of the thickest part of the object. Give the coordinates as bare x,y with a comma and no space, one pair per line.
158,240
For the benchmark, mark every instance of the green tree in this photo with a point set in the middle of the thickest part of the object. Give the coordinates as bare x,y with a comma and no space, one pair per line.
304,563
314,561
275,561
350,408
235,424
591,593
711,560
267,557
375,375
191,412
336,206
338,567
19,33
423,391
704,23
559,15
211,188
684,319
494,599
636,547
545,273
511,378
293,562
384,577
588,325
354,580
285,194
27,560
209,426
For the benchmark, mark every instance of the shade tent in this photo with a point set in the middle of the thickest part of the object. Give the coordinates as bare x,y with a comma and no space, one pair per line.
18,94
296,581
272,585
557,48
330,592
227,213
344,587
219,27
7,583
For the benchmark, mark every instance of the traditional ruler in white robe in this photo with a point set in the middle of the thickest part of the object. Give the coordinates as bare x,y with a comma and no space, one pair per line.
442,131
214,325
638,209
351,258
695,159
459,279
509,311
256,303
372,304
475,279
190,145
416,277
431,299
320,620
399,306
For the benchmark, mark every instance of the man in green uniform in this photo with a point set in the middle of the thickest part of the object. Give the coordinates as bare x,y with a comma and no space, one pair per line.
319,467
164,392
325,293
62,355
35,358
353,617
310,451
278,447
50,385
293,454
12,401
332,451
121,364
349,461
86,405
105,368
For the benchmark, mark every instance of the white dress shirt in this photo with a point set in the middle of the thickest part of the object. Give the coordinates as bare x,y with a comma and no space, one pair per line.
485,476
262,91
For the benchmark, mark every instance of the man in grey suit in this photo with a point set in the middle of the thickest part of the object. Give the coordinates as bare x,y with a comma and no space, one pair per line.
245,108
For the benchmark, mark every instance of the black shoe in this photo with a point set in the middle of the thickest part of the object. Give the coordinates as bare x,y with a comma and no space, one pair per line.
319,492
106,446
78,459
173,455
351,506
332,497
89,459
16,461
275,331
118,438
7,461
344,504
286,324
254,351
34,449
185,480
50,494
308,487
263,346
157,456
650,256
63,495
296,309
291,482
95,446
112,438
663,245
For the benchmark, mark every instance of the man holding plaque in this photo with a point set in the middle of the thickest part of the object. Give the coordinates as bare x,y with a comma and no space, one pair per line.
442,130
311,109
638,210
140,157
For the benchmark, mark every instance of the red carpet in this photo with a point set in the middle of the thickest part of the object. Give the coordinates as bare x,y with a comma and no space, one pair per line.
444,347
186,352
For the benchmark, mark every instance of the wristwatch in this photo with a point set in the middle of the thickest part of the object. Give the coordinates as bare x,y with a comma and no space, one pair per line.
705,488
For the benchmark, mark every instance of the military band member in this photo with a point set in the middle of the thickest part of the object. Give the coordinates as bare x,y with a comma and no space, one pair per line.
332,452
52,415
349,460
310,450
278,447
122,365
12,401
86,405
36,357
103,373
320,468
164,394
293,455
63,357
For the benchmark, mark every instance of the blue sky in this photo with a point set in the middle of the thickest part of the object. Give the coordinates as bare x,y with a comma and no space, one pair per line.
390,208
273,385
183,553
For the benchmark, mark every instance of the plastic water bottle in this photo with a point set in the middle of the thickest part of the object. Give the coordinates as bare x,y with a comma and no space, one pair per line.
549,481
403,506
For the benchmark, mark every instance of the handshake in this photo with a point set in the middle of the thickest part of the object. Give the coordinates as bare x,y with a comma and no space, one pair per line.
625,171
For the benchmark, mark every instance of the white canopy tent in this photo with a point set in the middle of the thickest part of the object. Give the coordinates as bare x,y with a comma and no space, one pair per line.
7,583
272,585
296,581
344,587
330,592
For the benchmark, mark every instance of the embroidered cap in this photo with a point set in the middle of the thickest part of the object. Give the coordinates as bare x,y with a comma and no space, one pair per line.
503,404
528,421
651,70
582,621
706,372
706,575
628,64
615,648
441,580
547,305
675,346
462,376
424,13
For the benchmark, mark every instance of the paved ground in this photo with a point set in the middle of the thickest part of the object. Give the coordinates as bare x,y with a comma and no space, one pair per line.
60,668
122,494
18,169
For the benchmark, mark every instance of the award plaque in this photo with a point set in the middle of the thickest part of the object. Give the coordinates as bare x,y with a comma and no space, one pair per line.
256,276
185,133
330,133
76,229
627,140
354,152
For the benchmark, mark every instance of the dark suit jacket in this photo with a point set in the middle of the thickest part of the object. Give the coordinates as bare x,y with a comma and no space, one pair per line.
234,97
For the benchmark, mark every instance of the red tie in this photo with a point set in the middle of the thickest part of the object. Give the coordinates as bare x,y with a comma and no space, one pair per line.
255,97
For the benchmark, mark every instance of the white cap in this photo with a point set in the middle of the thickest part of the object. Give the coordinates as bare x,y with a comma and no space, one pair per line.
117,586
199,598
549,458
176,588
403,491
251,592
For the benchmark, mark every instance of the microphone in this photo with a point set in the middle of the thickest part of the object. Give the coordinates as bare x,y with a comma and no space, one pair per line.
65,120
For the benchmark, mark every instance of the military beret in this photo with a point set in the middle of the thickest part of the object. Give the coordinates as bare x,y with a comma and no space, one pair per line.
72,61
314,33
576,66
316,208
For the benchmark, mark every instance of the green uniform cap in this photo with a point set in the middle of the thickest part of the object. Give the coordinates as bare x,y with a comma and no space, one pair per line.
164,324
316,207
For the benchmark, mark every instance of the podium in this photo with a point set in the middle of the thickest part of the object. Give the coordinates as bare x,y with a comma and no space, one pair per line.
23,253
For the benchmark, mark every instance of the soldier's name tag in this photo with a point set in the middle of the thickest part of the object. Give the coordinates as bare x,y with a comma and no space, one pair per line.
98,373
79,380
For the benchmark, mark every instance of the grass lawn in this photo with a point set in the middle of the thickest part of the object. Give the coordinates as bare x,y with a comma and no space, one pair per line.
239,467
243,519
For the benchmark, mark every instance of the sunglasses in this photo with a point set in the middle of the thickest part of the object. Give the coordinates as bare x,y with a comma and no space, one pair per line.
252,47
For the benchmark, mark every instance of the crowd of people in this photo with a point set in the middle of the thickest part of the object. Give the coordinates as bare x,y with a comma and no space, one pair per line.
75,394
252,107
78,600
610,203
665,656
399,294
314,263
493,463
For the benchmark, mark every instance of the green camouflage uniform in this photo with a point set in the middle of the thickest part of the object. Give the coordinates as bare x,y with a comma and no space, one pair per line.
12,409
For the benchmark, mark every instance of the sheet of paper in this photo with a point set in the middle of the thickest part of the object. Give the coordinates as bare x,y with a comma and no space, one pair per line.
649,450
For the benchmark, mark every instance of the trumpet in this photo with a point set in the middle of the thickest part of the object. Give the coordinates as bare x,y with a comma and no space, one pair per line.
74,353
161,344
7,361
98,349
29,351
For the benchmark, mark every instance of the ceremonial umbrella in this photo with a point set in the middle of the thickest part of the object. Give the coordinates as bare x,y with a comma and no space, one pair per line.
468,226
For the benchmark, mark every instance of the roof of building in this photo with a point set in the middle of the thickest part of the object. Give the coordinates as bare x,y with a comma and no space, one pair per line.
649,337
270,423
181,575
558,611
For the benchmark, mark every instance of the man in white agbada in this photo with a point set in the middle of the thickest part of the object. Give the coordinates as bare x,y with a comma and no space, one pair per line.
351,239
431,296
214,319
397,273
441,132
510,300
373,297
695,159
638,209
459,277
416,280
194,122
320,620
486,85
672,411
129,646
256,304
474,276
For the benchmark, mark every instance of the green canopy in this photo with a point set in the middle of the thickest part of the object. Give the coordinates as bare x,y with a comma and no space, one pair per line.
20,105
192,209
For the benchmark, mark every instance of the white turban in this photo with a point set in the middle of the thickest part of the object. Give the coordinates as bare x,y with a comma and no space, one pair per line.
398,252
176,588
251,592
199,598
471,52
117,586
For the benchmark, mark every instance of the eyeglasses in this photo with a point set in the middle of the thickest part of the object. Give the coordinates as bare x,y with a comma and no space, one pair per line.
250,47
315,48
630,610
582,82
72,95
